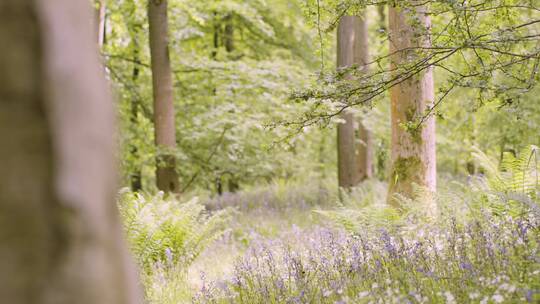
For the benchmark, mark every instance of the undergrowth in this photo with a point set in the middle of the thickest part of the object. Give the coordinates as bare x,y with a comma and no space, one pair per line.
166,236
480,246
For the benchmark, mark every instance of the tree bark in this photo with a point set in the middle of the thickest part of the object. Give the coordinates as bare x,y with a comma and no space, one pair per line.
165,133
61,237
354,156
413,151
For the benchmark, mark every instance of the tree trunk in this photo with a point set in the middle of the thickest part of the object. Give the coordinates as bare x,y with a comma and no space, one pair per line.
61,237
364,146
215,38
382,16
364,152
165,137
101,9
413,152
354,160
136,175
229,33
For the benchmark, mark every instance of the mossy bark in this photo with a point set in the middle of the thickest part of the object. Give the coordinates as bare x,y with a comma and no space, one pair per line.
413,150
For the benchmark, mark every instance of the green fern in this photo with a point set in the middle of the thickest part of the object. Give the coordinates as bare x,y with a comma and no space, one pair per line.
514,184
363,208
168,232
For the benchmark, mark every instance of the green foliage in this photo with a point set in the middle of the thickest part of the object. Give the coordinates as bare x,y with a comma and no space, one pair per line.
362,208
235,65
226,98
508,189
513,187
167,232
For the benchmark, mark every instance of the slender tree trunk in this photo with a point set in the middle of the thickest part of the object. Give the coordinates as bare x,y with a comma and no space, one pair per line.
61,237
100,12
228,41
472,168
381,11
354,160
229,33
215,37
165,135
136,175
413,152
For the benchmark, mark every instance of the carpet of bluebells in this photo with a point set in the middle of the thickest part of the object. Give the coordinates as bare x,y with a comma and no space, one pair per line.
489,260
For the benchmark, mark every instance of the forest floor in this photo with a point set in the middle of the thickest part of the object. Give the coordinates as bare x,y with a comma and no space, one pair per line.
293,242
218,260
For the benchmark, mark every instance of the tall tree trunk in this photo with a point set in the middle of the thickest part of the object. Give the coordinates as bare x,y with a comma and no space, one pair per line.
347,169
354,160
364,146
165,135
61,237
136,175
101,9
413,152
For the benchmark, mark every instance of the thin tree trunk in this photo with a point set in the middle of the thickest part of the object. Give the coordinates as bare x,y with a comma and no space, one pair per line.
215,37
413,152
354,160
165,135
136,175
381,11
61,237
472,168
100,12
229,33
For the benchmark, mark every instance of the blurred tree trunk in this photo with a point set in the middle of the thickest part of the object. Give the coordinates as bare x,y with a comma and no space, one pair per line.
347,169
381,11
354,156
101,9
229,33
228,41
364,146
136,175
364,152
61,236
413,151
165,132
215,38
